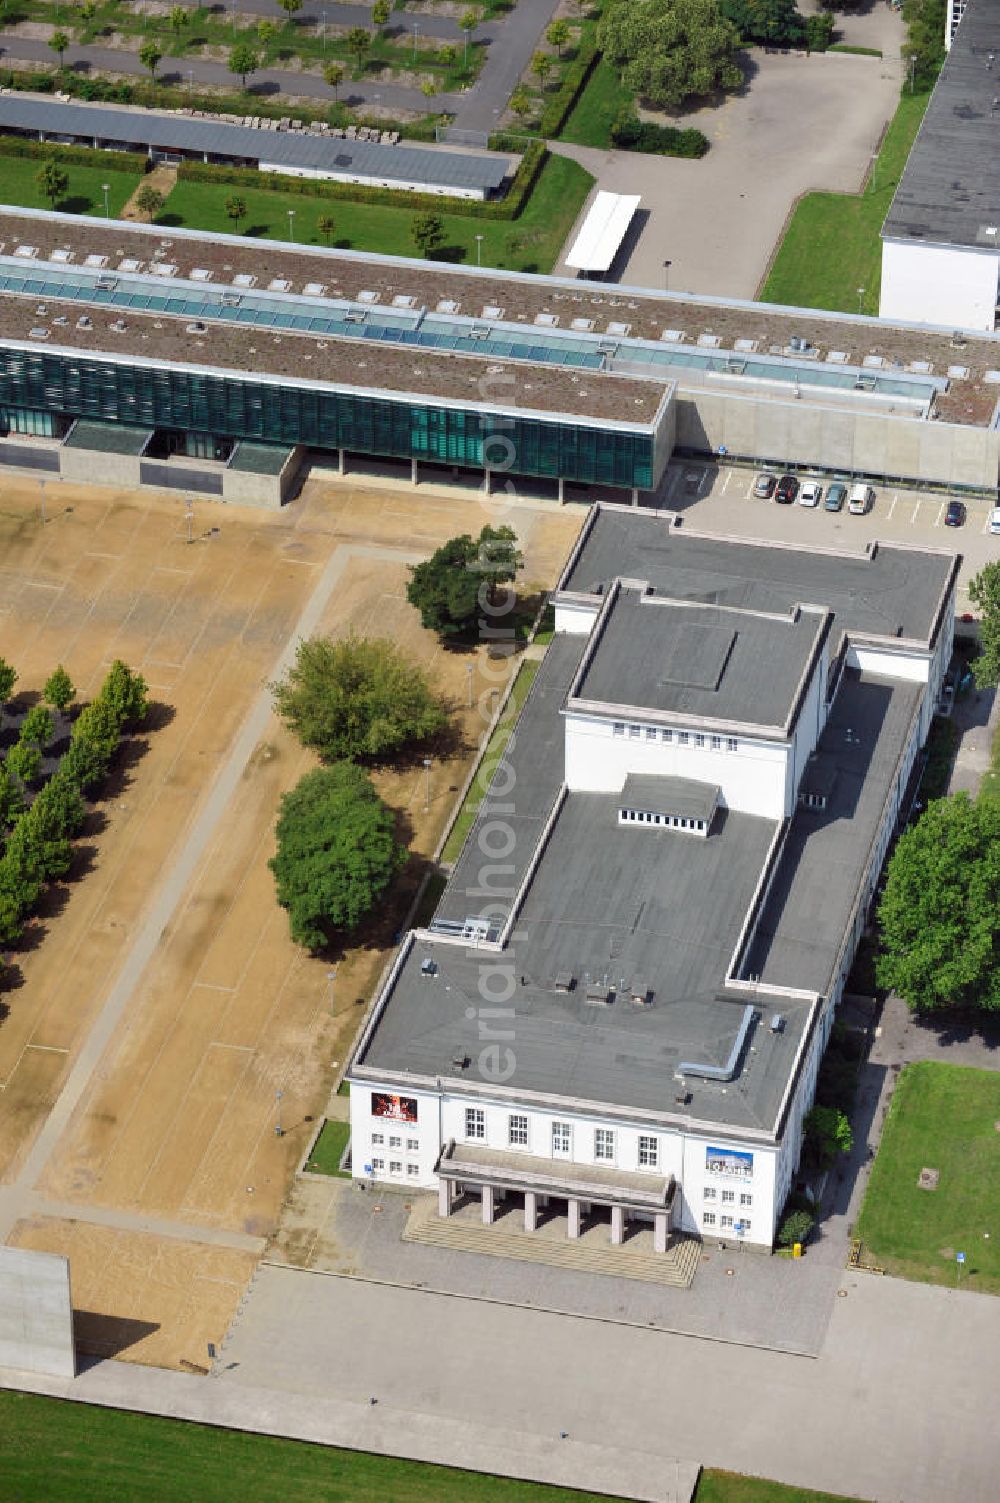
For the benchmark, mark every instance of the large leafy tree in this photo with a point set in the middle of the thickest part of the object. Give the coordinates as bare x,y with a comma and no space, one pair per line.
453,587
669,50
940,914
337,853
357,698
775,23
984,591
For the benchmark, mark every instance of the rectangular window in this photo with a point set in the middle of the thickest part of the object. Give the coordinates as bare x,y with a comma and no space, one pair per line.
716,743
517,1131
413,1170
650,733
746,1200
378,1137
728,1197
395,1166
709,1192
649,1152
683,738
699,740
378,1165
604,1145
732,744
475,1122
725,1221
413,1145
395,1142
562,1139
666,735
708,1218
618,729
635,731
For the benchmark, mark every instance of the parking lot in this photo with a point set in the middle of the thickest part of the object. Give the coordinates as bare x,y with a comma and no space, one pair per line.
720,498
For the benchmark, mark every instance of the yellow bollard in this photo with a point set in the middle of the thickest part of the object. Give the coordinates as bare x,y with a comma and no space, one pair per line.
797,1250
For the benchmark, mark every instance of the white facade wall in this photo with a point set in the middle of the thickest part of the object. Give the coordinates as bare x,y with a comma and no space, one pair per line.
808,728
882,660
939,284
575,619
371,182
684,1155
753,779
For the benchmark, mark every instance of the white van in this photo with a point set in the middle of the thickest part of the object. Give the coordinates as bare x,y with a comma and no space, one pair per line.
862,499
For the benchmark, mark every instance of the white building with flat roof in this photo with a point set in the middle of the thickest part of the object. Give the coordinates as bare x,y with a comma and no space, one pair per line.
620,1005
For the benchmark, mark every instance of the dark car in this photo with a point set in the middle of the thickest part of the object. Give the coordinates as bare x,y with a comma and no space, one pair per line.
786,490
955,515
836,495
764,485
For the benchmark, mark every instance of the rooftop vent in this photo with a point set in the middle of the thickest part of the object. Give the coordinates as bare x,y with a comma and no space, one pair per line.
95,260
448,305
564,982
163,268
129,263
196,328
777,1024
641,992
119,326
367,296
244,279
492,311
41,310
40,332
404,300
460,1060
278,284
27,252
200,274
314,289
428,966
85,321
62,254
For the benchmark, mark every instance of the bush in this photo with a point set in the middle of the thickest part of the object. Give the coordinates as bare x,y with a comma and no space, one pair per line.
827,1134
557,110
819,31
508,207
632,134
83,156
795,1227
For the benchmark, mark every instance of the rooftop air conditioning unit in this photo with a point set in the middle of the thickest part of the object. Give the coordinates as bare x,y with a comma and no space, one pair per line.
428,966
777,1023
599,994
564,982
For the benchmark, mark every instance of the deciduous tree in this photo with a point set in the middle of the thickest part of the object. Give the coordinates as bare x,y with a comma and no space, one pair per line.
984,592
453,587
337,853
333,74
59,41
236,209
557,34
326,224
149,56
37,727
8,678
243,61
427,232
358,41
939,917
357,697
827,1134
669,50
149,200
52,180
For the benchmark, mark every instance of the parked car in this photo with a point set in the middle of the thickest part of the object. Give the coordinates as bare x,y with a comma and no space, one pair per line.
786,490
955,515
861,501
811,493
836,495
995,520
764,485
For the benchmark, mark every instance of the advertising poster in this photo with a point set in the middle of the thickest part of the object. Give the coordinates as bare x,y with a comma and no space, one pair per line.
394,1108
728,1161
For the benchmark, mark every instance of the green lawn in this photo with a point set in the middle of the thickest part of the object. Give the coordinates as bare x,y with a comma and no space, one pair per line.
942,1117
601,101
530,243
494,751
832,246
727,1487
52,1449
83,196
991,779
329,1150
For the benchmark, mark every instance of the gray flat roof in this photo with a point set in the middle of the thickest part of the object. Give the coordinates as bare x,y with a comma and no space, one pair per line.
697,661
177,132
825,852
949,192
885,591
663,794
108,438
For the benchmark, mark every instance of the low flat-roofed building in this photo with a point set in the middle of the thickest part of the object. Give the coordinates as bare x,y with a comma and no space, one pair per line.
941,237
603,995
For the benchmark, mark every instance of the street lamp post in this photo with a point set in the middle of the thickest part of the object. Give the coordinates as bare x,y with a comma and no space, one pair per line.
416,28
427,783
189,517
291,224
468,672
331,977
666,275
861,298
874,171
479,250
106,189
279,1131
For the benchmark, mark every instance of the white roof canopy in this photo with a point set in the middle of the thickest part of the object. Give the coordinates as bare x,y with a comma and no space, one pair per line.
602,232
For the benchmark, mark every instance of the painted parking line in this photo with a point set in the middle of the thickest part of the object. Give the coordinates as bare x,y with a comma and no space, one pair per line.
892,506
916,512
940,515
725,483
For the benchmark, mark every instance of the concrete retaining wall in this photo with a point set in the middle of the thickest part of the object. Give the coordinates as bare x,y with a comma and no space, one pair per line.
36,1313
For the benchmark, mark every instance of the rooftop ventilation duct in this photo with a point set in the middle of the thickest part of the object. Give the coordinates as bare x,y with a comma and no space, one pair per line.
728,1070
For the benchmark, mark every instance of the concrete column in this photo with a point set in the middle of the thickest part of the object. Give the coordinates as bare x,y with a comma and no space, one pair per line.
562,491
487,482
573,1229
414,476
617,1225
661,1231
530,1211
444,1197
488,1205
341,462
635,495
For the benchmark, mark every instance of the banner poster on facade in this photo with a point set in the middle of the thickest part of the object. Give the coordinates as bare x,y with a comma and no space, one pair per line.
396,1108
728,1161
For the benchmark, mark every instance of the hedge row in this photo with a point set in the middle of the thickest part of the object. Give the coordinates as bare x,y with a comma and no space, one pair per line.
39,848
632,134
84,156
557,111
508,207
152,95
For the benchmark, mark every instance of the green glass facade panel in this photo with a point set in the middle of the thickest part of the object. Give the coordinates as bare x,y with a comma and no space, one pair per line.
240,407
